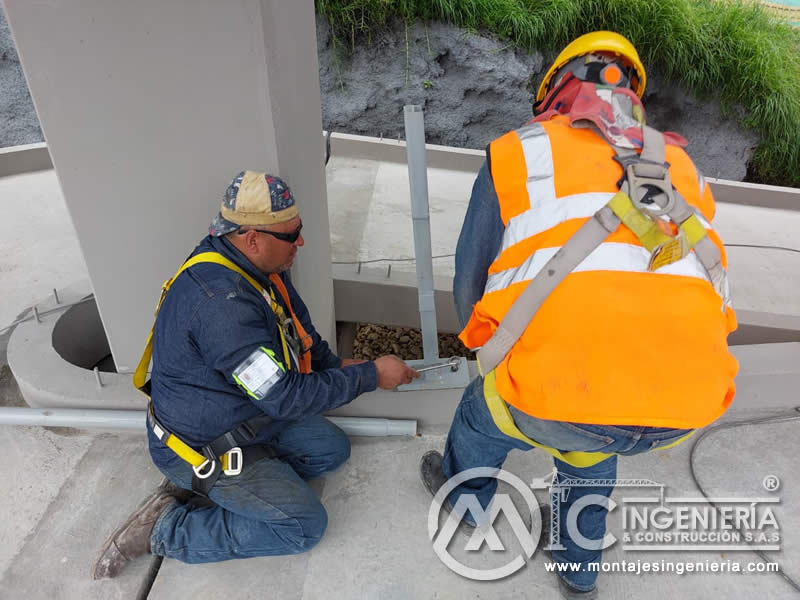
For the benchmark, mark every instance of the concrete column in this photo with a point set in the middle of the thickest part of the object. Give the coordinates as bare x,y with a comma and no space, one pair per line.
149,108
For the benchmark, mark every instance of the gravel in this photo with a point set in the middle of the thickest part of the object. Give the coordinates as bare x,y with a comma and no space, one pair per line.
372,341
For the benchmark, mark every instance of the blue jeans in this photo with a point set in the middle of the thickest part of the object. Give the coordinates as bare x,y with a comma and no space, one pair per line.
266,510
475,441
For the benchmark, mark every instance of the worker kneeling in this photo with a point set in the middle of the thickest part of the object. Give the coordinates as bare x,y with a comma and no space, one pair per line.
239,382
589,276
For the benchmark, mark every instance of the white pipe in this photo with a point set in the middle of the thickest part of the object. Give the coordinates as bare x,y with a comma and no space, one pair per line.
375,427
81,418
134,420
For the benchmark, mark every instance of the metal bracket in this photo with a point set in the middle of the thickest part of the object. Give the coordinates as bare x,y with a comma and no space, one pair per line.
437,377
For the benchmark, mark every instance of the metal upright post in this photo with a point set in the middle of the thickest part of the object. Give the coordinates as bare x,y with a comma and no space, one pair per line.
418,180
455,372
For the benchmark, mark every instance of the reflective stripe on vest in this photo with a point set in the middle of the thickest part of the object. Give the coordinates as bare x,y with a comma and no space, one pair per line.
614,343
548,217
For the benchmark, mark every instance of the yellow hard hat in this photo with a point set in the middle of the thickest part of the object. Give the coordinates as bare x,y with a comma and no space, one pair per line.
597,41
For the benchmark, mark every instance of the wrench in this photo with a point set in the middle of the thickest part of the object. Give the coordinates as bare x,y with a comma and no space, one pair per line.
453,363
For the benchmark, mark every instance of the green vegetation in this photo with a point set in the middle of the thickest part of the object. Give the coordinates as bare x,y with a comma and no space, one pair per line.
731,48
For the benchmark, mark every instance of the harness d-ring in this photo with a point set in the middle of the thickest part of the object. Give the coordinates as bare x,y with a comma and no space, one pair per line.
200,474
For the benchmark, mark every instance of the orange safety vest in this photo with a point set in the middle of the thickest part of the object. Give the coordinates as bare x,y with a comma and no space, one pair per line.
613,344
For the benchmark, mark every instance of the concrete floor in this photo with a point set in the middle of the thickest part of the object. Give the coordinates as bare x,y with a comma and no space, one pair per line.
76,489
66,490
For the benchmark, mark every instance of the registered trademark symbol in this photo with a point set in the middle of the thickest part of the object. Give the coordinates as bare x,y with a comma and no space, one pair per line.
771,483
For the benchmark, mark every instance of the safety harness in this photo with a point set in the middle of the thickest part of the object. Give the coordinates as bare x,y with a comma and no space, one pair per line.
645,196
224,454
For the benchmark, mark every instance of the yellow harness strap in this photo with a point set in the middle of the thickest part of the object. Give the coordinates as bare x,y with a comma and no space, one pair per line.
505,423
140,375
646,229
653,234
173,442
178,446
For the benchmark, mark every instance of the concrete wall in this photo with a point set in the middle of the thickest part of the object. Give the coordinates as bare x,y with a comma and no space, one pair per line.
149,109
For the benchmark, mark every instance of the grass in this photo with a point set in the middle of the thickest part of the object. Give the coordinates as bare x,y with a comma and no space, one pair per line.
733,48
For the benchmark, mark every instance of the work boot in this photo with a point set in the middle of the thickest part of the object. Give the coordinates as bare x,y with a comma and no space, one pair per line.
570,593
132,539
181,495
433,478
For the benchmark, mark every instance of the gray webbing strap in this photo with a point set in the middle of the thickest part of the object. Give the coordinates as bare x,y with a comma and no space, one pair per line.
679,210
519,316
653,148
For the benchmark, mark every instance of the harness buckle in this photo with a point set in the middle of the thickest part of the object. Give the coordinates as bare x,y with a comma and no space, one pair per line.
645,191
303,348
199,471
235,461
291,336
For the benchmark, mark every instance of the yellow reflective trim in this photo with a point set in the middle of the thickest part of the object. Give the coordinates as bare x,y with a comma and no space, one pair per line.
274,358
676,442
505,423
645,228
694,230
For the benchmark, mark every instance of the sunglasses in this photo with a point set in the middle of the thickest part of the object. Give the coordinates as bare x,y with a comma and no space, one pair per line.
290,238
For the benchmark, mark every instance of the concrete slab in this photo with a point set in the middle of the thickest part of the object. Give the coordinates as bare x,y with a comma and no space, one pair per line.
721,462
385,552
56,558
52,457
376,545
351,182
761,280
770,451
249,579
48,455
768,379
389,231
30,268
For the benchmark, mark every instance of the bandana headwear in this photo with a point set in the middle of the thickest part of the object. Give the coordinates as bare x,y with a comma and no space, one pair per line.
616,112
254,199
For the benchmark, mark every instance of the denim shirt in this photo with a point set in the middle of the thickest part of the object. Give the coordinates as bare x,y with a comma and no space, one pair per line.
478,245
211,320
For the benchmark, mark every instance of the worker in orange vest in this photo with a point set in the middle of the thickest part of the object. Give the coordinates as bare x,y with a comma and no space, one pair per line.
588,275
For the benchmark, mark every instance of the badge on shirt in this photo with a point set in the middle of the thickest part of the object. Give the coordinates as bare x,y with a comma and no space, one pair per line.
258,373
